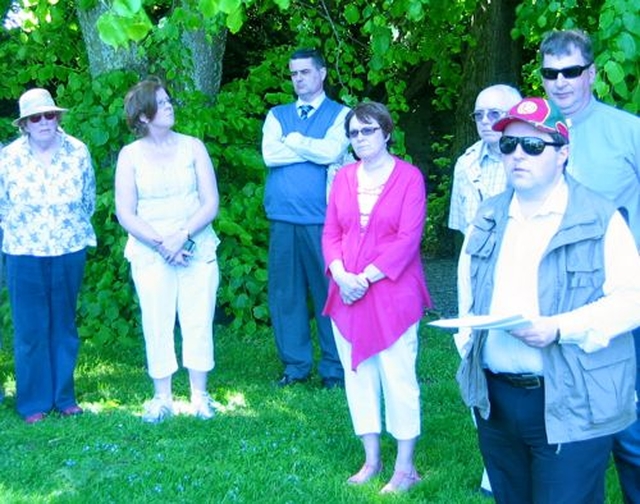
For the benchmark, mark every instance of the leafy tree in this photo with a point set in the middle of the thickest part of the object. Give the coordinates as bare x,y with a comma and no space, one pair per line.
226,64
103,57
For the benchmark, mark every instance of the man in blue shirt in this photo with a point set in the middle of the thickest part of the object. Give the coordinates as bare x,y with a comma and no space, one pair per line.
605,156
300,141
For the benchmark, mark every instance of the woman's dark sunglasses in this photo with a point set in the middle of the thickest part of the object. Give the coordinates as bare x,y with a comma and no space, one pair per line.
366,131
531,145
36,118
568,72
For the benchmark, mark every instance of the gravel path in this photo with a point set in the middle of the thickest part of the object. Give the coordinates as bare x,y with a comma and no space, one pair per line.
441,279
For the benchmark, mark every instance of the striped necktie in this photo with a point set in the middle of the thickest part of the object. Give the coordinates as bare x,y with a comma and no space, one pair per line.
304,111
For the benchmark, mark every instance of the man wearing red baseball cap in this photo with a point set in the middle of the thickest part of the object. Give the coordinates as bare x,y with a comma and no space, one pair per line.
548,396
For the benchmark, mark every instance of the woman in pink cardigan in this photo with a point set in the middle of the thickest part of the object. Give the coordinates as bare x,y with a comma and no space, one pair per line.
377,292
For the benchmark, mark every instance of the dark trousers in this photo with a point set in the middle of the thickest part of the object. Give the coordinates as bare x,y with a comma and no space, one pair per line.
626,445
43,292
523,468
296,269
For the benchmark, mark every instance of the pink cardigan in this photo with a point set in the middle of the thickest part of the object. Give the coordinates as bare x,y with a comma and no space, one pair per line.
391,242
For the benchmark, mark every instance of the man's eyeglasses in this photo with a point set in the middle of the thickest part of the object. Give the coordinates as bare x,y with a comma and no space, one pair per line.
493,115
36,118
568,72
530,145
366,131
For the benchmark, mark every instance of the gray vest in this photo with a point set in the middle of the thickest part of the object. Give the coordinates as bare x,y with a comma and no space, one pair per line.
586,394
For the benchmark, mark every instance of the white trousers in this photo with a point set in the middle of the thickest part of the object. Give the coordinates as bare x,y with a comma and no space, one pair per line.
190,291
392,372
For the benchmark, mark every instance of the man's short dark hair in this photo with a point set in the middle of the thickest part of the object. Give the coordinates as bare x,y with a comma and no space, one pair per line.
561,43
314,54
558,138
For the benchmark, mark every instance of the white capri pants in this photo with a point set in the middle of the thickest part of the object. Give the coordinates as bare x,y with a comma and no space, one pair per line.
392,371
163,291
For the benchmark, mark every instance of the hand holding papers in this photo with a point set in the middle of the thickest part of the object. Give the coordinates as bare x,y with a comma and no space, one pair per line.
465,325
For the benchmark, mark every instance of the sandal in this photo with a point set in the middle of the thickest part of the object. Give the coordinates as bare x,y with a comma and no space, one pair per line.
365,473
401,482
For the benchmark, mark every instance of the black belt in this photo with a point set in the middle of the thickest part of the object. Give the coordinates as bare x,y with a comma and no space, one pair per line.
519,380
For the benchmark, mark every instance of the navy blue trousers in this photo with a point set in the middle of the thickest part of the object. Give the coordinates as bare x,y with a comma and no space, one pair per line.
626,445
523,468
296,270
43,292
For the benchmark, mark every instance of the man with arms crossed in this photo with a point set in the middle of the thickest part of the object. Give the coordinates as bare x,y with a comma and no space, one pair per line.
605,156
300,140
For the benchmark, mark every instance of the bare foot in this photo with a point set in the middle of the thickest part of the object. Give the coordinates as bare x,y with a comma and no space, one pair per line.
401,481
365,473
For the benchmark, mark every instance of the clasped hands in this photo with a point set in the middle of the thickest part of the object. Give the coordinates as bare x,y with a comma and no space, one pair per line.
171,248
352,287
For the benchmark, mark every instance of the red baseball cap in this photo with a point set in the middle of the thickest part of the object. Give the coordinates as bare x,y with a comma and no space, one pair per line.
540,113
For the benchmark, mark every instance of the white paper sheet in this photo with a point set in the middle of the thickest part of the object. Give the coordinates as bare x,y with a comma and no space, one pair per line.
508,323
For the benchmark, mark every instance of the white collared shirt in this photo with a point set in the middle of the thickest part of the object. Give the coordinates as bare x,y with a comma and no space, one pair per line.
315,104
592,326
516,280
296,148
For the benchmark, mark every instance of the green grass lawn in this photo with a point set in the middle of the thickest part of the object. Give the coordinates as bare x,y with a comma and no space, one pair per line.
266,445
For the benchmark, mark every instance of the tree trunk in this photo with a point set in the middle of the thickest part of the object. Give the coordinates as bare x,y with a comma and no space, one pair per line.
102,57
207,52
495,59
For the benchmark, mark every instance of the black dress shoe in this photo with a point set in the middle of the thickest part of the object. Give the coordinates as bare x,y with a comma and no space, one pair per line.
331,383
287,380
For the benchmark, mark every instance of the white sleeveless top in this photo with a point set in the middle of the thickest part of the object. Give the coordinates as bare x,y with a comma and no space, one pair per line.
167,198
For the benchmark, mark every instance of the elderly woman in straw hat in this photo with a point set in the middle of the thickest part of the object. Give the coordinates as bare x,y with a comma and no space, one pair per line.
47,197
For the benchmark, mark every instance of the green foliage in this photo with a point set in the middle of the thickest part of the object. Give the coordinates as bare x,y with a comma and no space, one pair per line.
619,60
373,49
127,20
108,309
231,127
43,53
243,253
438,241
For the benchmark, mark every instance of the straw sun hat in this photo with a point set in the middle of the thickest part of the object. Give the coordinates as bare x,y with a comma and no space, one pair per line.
36,101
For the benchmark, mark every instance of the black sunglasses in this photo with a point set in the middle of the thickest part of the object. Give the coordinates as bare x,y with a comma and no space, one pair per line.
366,131
36,118
568,73
533,146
